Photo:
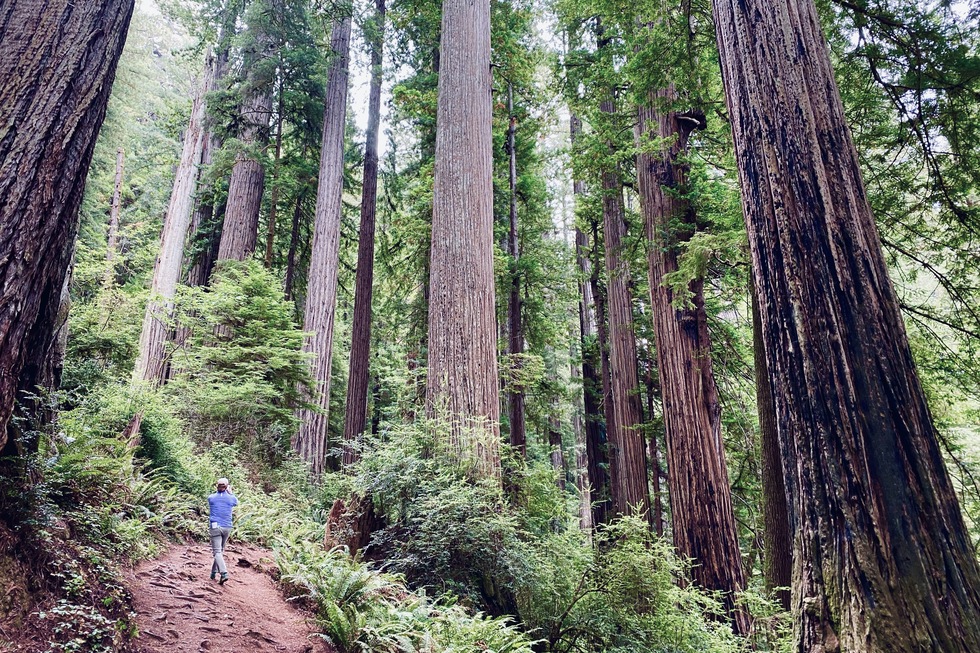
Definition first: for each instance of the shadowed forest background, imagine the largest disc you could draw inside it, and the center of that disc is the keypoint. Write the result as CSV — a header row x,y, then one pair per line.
x,y
564,325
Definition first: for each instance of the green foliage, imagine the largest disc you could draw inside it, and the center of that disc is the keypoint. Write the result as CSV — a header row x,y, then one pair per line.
x,y
241,374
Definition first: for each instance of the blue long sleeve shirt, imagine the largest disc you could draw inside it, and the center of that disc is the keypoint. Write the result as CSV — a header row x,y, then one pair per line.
x,y
221,504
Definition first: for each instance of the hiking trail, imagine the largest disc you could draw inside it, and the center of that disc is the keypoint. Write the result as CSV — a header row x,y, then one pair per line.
x,y
180,610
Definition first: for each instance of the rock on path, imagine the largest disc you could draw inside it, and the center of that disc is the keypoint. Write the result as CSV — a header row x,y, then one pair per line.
x,y
180,610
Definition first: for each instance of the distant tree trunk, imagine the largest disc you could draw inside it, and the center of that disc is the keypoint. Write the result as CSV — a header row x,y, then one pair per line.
x,y
582,483
462,381
592,383
115,209
360,355
321,291
518,435
882,560
57,65
293,246
599,467
700,496
627,452
777,559
151,361
270,236
653,448
247,182
207,219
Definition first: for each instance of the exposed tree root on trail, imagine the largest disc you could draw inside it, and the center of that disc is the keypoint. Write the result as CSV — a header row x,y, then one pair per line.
x,y
180,610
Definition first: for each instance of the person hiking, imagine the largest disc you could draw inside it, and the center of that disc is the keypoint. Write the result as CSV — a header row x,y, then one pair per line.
x,y
221,504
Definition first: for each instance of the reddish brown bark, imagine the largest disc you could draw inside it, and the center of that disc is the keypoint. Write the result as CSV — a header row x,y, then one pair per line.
x,y
627,452
57,65
360,354
777,558
321,290
463,387
700,496
881,558
247,182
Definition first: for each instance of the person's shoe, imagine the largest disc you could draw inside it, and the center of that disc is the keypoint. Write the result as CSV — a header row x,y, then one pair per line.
x,y
214,575
224,579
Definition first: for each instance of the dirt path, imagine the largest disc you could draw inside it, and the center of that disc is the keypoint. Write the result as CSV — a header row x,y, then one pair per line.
x,y
180,610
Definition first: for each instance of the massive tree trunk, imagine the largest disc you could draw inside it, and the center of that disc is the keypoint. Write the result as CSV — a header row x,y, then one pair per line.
x,y
700,496
627,453
247,182
515,330
463,388
360,353
151,362
57,65
599,466
321,291
881,559
777,558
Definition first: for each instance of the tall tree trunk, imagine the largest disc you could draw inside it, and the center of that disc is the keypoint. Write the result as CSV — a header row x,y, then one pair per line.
x,y
881,558
777,560
321,291
207,219
582,483
700,496
57,65
653,448
518,435
592,384
627,452
112,244
599,464
463,381
151,361
360,354
247,182
270,235
293,246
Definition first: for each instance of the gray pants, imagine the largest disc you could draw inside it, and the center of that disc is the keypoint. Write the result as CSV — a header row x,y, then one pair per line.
x,y
219,538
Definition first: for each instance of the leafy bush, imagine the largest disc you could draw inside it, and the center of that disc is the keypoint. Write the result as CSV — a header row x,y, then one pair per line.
x,y
241,374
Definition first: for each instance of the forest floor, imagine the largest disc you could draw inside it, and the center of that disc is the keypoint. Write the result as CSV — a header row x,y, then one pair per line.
x,y
180,610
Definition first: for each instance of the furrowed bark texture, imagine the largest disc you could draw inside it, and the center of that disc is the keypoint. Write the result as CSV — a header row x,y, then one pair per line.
x,y
777,561
57,65
881,559
247,182
462,376
515,331
360,354
700,495
151,363
321,291
627,453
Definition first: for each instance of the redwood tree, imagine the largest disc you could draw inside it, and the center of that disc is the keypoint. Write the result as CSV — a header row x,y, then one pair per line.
x,y
462,384
700,496
627,453
359,374
881,558
57,65
247,182
321,299
151,361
